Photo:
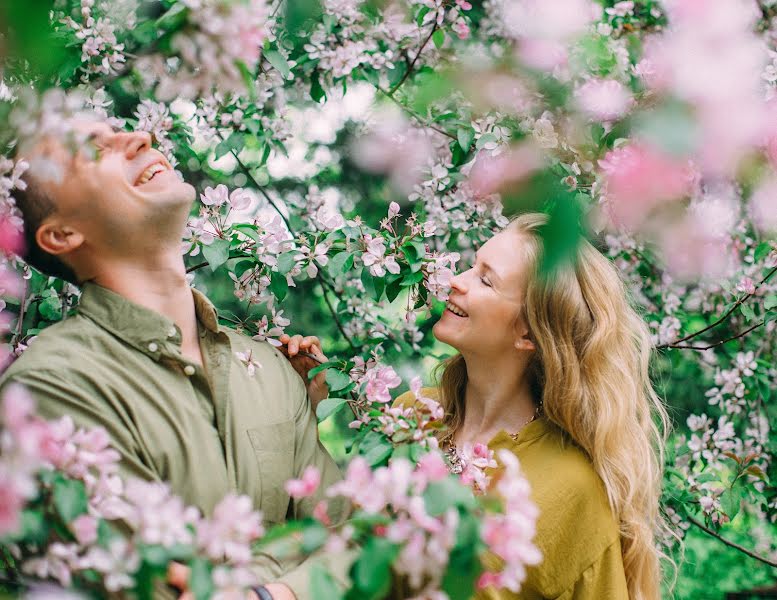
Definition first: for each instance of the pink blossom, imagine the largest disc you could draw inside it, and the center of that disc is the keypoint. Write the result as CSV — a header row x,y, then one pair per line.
x,y
379,381
432,467
763,205
85,529
229,533
639,179
490,174
746,285
305,486
11,504
604,99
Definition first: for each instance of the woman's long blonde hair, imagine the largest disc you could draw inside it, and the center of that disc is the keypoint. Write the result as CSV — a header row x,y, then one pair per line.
x,y
591,372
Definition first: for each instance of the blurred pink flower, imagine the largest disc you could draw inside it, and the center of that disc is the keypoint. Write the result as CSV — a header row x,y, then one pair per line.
x,y
231,530
490,174
85,529
11,504
763,206
604,99
306,485
638,179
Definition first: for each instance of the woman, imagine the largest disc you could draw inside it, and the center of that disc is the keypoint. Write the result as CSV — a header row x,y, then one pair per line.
x,y
556,370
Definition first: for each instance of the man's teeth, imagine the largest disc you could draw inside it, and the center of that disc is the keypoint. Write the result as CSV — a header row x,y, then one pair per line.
x,y
455,310
146,176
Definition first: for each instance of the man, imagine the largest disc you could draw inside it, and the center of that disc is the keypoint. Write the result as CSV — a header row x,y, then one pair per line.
x,y
184,400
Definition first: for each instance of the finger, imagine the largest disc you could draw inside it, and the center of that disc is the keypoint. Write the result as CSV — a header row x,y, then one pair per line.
x,y
178,575
310,341
284,339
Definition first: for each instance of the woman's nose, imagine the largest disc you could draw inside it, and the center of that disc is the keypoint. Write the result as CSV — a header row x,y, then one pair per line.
x,y
458,283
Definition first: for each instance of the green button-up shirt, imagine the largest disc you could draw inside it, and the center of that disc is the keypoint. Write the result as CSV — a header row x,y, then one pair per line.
x,y
208,431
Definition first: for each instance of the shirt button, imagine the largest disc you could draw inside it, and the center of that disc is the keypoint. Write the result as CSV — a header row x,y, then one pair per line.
x,y
189,370
152,347
172,332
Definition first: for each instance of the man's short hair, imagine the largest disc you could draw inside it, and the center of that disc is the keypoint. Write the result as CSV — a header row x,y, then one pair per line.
x,y
36,206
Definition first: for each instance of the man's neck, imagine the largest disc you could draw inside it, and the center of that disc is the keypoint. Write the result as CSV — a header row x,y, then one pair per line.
x,y
157,283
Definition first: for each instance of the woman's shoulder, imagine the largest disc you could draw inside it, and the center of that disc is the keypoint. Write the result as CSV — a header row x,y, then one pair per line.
x,y
576,524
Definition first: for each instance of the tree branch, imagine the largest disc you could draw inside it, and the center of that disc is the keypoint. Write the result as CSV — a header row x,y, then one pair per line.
x,y
731,544
727,314
414,114
719,343
412,64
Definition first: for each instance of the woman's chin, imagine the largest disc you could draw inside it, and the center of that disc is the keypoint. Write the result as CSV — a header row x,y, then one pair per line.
x,y
443,334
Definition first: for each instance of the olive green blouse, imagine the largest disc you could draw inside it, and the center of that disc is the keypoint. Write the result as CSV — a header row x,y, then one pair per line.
x,y
576,530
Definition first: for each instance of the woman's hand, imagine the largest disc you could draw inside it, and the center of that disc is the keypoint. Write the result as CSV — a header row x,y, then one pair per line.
x,y
178,577
304,353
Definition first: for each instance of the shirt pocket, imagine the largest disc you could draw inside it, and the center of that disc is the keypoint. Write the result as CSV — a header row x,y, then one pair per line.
x,y
274,448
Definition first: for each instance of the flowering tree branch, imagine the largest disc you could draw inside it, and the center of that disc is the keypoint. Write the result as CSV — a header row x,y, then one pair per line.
x,y
729,543
412,64
723,318
718,343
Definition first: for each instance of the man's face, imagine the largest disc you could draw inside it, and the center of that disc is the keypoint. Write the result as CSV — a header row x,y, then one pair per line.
x,y
116,189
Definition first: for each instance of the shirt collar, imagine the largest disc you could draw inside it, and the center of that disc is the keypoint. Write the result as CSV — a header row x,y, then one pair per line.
x,y
142,328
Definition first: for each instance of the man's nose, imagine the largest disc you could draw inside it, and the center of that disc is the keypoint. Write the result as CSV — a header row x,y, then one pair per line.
x,y
133,142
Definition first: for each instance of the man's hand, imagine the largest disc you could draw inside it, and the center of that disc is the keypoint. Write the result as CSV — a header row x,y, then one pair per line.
x,y
305,353
178,576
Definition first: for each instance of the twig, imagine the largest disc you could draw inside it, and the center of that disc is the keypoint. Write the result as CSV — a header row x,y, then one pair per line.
x,y
719,343
728,313
326,286
731,544
412,64
414,114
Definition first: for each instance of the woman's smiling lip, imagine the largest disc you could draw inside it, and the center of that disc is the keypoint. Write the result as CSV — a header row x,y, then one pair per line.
x,y
455,310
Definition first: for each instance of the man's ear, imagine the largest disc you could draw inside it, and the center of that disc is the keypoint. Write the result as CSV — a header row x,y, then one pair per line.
x,y
56,238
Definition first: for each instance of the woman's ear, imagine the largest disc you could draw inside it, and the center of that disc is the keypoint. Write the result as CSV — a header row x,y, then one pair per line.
x,y
55,238
524,343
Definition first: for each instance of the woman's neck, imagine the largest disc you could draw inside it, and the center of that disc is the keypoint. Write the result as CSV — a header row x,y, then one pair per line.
x,y
497,396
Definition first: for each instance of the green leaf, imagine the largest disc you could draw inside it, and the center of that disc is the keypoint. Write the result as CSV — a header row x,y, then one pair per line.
x,y
216,253
69,498
50,308
328,407
762,251
323,585
371,573
484,139
173,18
313,537
337,380
200,579
340,263
465,135
279,286
747,311
419,20
445,494
464,566
438,37
234,144
770,301
276,60
286,262
34,527
379,453
317,92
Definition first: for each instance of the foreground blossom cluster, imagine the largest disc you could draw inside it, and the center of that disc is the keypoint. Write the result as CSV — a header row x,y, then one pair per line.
x,y
111,521
55,466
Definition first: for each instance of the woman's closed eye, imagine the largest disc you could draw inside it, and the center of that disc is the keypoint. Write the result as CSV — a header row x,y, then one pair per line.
x,y
485,281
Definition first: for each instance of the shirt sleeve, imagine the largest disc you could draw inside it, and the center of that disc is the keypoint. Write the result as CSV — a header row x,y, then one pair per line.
x,y
605,579
59,394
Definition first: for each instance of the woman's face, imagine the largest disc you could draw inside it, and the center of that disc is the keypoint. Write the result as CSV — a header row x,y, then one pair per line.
x,y
483,312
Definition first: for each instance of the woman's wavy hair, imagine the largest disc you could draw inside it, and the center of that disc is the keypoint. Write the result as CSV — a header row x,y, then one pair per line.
x,y
591,372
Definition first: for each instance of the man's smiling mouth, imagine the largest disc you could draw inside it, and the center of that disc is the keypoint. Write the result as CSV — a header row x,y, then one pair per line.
x,y
149,173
